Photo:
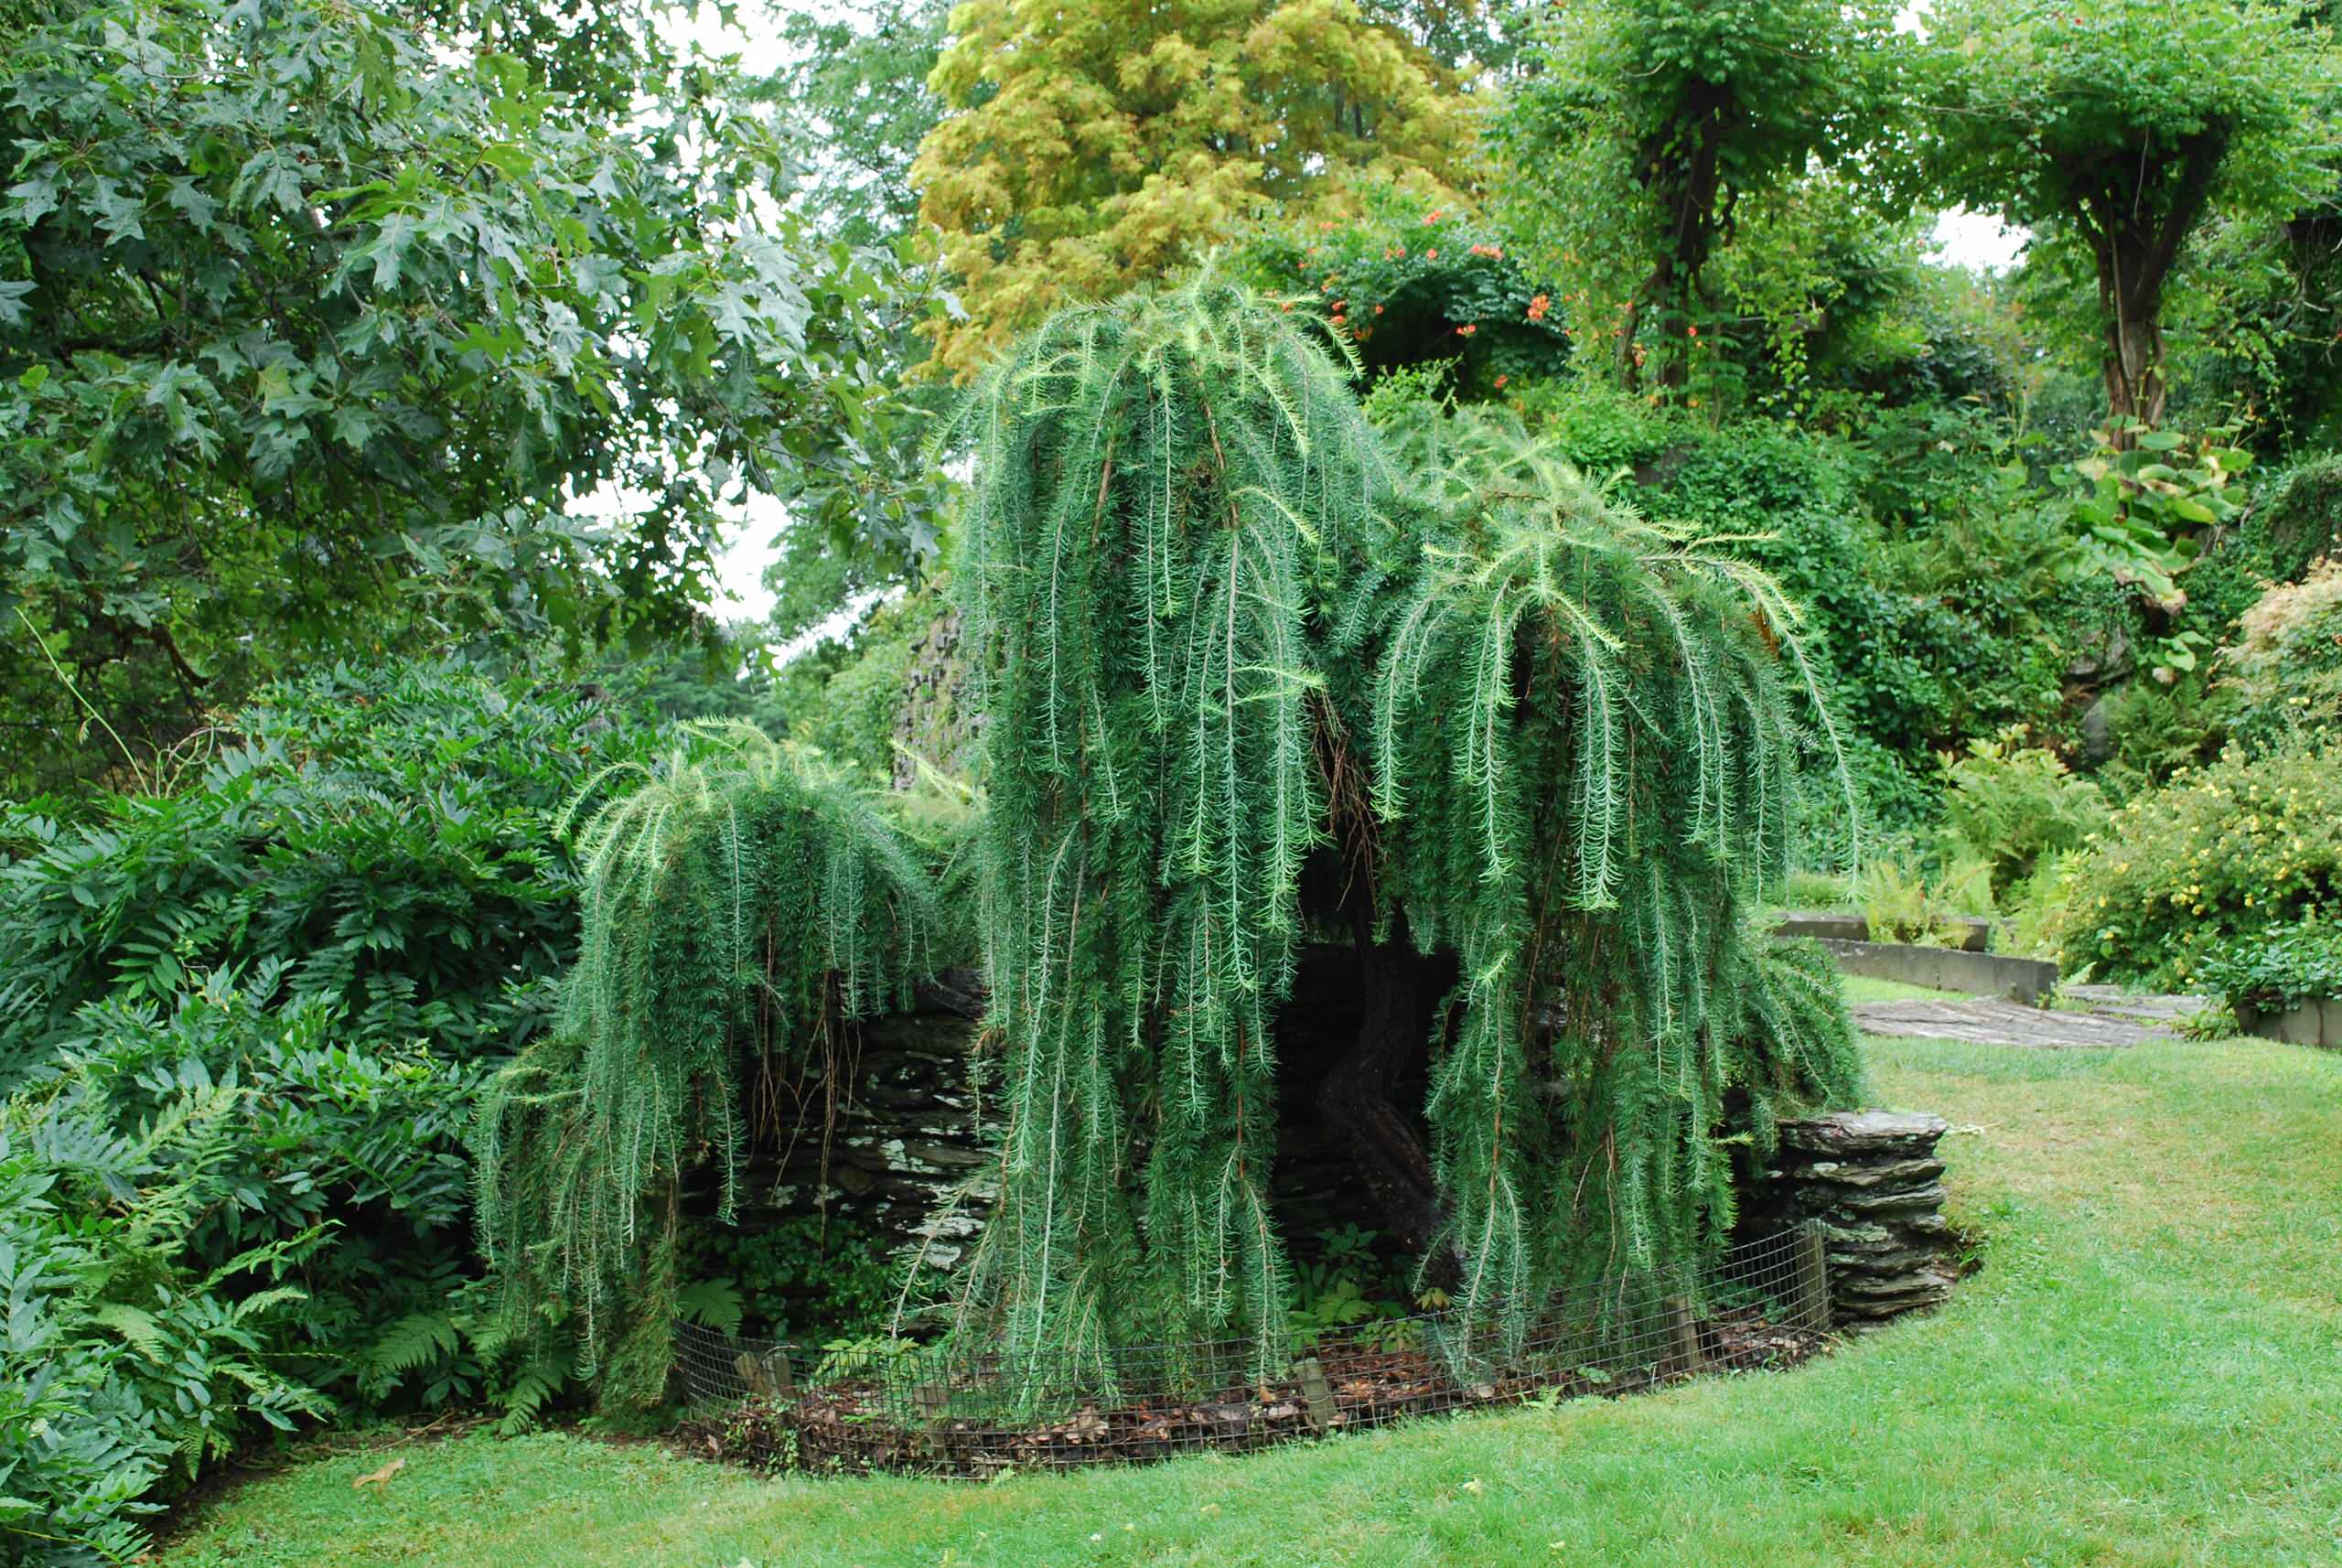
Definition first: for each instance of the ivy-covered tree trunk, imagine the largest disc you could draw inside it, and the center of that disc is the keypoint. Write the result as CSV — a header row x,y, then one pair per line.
x,y
1683,166
2133,365
2135,245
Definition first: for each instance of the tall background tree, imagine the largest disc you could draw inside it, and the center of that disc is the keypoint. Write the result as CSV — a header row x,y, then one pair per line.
x,y
322,325
857,100
1645,127
1089,147
2258,324
2120,127
853,105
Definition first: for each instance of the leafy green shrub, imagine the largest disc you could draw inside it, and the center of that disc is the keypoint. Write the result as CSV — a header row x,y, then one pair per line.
x,y
1916,668
243,1027
2214,861
797,1276
2285,669
1806,888
743,904
1601,427
2152,500
2009,804
121,1366
1902,901
2030,908
387,831
1985,508
2281,965
358,1147
213,1217
1412,281
1919,465
2153,730
2300,519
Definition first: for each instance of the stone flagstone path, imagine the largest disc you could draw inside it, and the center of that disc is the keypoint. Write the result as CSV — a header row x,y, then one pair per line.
x,y
2113,1018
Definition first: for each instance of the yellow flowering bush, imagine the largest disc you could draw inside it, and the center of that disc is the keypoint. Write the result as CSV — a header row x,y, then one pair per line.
x,y
2206,867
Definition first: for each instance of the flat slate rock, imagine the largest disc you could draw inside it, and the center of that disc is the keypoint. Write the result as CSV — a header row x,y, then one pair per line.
x,y
1993,1022
2135,1004
1841,1133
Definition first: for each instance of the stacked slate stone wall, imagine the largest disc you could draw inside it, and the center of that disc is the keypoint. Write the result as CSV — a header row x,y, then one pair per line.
x,y
910,1130
902,1136
891,1158
1871,1184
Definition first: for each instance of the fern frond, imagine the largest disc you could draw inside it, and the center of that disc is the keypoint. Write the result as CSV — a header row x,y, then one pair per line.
x,y
412,1341
711,1303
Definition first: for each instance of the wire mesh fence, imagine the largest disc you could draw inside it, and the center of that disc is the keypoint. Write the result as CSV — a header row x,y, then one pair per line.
x,y
952,1410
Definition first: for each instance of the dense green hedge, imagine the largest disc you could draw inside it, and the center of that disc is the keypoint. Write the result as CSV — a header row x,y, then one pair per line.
x,y
243,1025
1922,653
386,832
2300,519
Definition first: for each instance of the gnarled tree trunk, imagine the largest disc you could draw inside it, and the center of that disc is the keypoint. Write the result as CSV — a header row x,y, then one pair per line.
x,y
2133,360
2135,242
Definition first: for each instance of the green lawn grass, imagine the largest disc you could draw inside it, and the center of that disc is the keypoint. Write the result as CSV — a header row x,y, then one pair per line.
x,y
2148,1371
1863,988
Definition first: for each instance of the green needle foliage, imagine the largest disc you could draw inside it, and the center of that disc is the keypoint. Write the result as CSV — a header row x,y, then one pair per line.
x,y
1201,590
741,907
1168,488
1586,746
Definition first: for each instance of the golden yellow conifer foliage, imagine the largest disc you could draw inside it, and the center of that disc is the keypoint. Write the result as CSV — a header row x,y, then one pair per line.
x,y
1094,144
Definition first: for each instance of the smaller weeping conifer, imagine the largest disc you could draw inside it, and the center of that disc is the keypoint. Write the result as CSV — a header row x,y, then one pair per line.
x,y
1588,736
743,905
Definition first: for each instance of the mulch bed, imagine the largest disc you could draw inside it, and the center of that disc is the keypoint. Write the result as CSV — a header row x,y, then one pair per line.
x,y
856,1427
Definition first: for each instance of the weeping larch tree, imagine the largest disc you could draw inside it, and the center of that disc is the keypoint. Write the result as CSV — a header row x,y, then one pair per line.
x,y
1255,677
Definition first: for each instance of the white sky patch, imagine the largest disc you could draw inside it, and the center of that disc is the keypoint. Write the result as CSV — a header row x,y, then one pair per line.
x,y
754,36
1977,240
751,544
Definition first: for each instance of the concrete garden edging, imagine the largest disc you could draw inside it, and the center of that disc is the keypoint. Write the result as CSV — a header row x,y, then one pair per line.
x,y
2306,1023
1947,969
1838,926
